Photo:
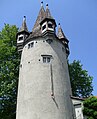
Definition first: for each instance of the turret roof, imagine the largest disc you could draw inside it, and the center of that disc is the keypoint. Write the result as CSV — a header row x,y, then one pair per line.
x,y
60,33
24,26
47,13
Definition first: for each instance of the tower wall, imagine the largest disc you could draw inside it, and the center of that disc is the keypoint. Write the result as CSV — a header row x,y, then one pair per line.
x,y
44,88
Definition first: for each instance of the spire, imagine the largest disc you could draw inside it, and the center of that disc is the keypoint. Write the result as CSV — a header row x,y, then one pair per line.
x,y
24,26
40,17
60,32
47,13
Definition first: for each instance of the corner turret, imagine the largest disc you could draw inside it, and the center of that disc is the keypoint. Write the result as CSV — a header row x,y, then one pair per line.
x,y
22,35
63,39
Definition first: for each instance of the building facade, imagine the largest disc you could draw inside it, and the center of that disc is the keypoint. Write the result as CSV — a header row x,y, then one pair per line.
x,y
44,90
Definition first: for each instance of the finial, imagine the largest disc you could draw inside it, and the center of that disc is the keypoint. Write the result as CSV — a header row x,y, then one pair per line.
x,y
41,3
24,19
59,25
47,6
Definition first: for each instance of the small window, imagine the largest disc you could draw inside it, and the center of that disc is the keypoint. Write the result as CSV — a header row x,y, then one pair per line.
x,y
20,38
43,27
46,58
63,49
50,25
30,45
49,41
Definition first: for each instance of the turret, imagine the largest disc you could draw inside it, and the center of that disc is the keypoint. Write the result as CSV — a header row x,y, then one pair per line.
x,y
63,39
22,35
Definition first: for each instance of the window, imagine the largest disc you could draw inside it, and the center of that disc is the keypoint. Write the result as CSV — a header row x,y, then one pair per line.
x,y
43,27
46,58
50,25
30,45
49,41
20,38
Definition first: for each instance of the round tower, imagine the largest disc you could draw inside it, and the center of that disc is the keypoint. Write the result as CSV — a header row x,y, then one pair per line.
x,y
44,90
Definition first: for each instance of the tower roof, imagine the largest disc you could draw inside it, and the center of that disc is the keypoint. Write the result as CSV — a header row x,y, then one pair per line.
x,y
43,14
40,17
60,33
24,26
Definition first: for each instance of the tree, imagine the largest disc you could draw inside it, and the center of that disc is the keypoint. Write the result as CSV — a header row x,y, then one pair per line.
x,y
81,82
90,108
9,62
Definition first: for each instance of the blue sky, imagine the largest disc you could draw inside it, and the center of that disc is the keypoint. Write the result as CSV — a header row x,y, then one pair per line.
x,y
78,19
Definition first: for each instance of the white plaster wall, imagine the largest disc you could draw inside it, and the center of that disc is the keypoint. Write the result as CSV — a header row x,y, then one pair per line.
x,y
34,90
78,109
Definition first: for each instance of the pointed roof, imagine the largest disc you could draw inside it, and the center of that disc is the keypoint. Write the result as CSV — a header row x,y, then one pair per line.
x,y
43,14
60,33
24,26
40,17
47,13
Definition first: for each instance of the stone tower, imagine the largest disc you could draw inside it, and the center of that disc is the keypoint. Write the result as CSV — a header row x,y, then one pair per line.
x,y
44,90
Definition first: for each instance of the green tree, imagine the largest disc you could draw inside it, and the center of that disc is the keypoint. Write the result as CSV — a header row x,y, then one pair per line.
x,y
90,108
81,82
9,62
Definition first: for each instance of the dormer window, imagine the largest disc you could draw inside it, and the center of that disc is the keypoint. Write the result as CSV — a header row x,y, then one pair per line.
x,y
50,25
44,27
47,26
20,38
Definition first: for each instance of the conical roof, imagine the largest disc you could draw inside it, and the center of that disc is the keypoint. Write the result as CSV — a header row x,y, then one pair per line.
x,y
60,33
47,13
24,26
40,17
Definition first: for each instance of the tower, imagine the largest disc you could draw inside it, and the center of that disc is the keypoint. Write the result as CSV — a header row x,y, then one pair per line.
x,y
44,86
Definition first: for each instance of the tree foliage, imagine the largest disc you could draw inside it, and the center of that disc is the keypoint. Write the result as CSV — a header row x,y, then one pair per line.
x,y
9,62
90,108
81,82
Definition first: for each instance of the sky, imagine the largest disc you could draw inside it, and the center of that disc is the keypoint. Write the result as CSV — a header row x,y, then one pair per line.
x,y
78,19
